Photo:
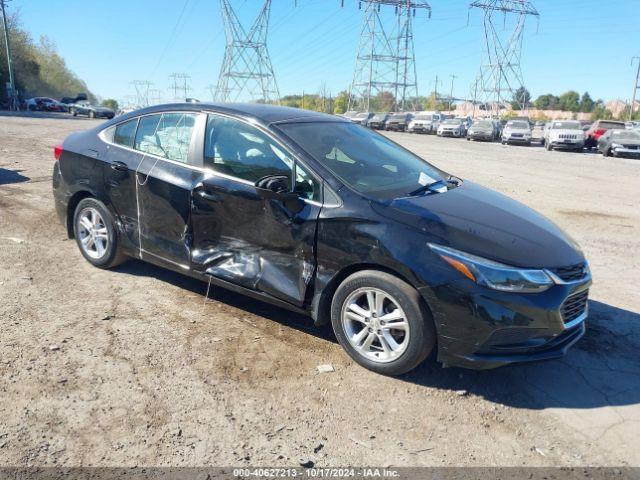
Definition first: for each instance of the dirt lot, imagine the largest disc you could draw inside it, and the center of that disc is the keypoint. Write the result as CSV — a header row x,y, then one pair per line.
x,y
131,367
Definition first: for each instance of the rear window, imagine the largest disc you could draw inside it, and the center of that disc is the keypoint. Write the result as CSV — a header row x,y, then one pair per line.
x,y
125,133
611,125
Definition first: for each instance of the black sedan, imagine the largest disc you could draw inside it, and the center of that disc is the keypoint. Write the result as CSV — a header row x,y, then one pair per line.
x,y
91,111
321,216
620,143
398,122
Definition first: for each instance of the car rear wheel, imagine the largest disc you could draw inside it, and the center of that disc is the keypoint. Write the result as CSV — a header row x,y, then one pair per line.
x,y
96,235
381,323
92,114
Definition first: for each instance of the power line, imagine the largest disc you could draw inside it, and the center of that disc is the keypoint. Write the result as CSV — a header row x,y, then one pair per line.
x,y
500,74
385,59
180,85
246,67
636,86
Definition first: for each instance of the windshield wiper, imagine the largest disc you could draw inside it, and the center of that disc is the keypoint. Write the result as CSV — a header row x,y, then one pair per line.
x,y
435,187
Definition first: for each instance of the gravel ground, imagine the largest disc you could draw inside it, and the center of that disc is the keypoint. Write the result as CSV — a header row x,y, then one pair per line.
x,y
132,367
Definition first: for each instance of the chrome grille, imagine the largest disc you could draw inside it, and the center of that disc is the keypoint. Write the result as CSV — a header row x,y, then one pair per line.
x,y
574,306
571,136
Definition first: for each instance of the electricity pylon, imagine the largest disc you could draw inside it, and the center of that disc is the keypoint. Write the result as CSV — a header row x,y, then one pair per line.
x,y
142,92
246,71
180,86
500,74
385,61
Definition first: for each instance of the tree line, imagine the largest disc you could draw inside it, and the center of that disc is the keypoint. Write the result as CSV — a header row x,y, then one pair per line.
x,y
38,69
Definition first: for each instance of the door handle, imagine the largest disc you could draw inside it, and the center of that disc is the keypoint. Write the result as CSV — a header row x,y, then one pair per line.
x,y
119,166
207,196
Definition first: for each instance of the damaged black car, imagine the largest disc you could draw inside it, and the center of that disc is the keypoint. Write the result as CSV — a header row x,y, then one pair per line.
x,y
324,217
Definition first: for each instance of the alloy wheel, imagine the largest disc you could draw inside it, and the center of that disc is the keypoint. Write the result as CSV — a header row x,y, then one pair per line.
x,y
375,325
93,233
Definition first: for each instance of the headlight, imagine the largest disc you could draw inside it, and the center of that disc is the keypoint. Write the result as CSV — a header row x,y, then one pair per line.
x,y
616,145
494,275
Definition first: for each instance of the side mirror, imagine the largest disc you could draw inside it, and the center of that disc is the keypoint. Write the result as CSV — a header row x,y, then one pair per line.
x,y
277,187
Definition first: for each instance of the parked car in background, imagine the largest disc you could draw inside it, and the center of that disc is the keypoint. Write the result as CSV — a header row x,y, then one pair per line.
x,y
398,122
632,125
349,114
91,111
466,122
44,104
517,131
313,213
620,143
564,134
362,118
378,120
425,122
483,129
597,129
451,127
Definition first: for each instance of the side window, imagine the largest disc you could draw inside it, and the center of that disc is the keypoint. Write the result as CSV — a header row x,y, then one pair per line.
x,y
166,135
240,150
125,133
307,186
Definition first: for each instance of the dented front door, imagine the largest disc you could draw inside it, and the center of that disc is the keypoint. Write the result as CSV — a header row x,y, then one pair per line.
x,y
253,242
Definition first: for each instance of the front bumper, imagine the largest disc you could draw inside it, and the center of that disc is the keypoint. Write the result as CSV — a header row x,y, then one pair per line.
x,y
450,133
376,125
523,140
480,136
398,127
420,128
570,144
626,152
480,328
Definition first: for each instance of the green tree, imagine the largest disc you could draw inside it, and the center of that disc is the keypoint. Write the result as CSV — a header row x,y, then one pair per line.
x,y
110,103
601,112
547,102
432,103
341,102
570,101
38,67
521,99
586,103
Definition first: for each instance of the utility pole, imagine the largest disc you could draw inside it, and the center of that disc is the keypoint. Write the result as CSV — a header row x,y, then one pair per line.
x,y
246,70
636,86
385,59
13,101
453,77
500,74
435,91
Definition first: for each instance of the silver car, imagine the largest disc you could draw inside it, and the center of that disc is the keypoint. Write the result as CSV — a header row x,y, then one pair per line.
x,y
564,134
516,131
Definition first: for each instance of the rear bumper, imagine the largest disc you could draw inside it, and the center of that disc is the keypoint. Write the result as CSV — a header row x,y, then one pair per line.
x,y
479,328
396,126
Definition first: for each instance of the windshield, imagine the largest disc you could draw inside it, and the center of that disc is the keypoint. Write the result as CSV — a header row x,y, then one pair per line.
x,y
379,116
452,121
362,115
423,117
518,125
566,126
625,135
483,124
364,160
398,117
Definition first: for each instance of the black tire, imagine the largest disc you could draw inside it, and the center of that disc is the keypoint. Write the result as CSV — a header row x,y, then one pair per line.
x,y
73,112
547,145
422,338
113,255
92,114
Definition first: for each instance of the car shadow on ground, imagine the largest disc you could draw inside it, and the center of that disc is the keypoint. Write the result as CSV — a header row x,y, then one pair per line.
x,y
602,369
27,114
11,176
285,317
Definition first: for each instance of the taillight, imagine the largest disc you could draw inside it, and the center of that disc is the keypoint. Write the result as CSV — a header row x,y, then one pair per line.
x,y
57,151
600,131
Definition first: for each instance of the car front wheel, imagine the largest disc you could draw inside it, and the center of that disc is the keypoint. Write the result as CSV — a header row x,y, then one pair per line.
x,y
381,323
95,234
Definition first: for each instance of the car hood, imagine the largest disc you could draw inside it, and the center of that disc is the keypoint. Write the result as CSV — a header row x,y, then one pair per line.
x,y
481,129
626,141
443,125
486,223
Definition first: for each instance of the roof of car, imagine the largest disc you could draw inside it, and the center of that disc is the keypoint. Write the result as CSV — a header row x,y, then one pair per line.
x,y
267,114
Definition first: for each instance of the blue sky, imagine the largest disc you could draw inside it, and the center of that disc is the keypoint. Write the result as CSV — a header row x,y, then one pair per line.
x,y
579,44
